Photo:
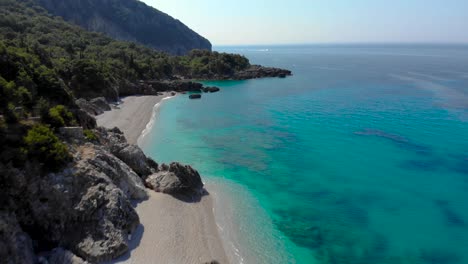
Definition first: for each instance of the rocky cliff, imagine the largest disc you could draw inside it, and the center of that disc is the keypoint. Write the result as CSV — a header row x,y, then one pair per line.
x,y
129,20
83,212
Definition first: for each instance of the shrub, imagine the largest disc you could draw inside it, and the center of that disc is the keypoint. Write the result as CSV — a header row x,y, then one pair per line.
x,y
41,144
90,135
23,96
59,116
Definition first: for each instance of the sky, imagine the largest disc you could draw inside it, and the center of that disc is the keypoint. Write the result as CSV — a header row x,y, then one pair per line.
x,y
257,22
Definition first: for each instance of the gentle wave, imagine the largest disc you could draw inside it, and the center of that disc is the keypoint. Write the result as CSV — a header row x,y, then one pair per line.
x,y
151,122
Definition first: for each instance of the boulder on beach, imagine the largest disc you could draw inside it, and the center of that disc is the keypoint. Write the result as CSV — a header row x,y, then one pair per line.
x,y
135,158
176,179
195,96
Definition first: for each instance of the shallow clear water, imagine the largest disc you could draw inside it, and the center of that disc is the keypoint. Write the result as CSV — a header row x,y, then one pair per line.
x,y
360,157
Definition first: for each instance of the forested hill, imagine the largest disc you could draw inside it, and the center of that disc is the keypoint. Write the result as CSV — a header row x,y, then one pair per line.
x,y
48,57
129,20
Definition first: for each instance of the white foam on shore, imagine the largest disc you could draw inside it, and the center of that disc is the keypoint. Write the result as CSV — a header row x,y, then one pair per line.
x,y
152,121
245,229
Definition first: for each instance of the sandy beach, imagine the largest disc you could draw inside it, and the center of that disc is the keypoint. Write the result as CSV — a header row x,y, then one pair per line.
x,y
171,230
131,116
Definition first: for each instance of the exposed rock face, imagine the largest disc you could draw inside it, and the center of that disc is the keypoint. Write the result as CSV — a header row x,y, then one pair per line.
x,y
120,173
135,158
93,107
84,211
130,20
132,155
79,208
176,179
72,132
15,245
101,103
84,119
107,219
85,208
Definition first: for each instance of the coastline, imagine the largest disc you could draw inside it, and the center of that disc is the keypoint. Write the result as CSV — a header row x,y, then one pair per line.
x,y
132,116
171,231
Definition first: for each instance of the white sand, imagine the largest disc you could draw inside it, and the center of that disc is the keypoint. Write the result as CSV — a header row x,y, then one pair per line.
x,y
171,231
131,116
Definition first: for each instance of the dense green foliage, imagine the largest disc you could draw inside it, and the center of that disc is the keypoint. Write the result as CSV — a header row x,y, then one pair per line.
x,y
53,59
59,116
90,135
43,145
206,64
46,63
129,20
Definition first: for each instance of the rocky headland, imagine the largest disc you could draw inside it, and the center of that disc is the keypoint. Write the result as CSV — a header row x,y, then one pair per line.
x,y
83,211
257,71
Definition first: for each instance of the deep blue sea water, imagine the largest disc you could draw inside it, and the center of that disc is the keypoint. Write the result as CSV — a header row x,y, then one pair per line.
x,y
360,157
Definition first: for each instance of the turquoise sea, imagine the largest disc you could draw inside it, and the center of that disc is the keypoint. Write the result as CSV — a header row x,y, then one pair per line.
x,y
360,157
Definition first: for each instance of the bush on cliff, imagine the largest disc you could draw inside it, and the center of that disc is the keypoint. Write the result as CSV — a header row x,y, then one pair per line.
x,y
90,135
59,116
41,144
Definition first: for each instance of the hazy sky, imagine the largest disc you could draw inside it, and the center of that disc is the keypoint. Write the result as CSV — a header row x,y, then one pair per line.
x,y
318,21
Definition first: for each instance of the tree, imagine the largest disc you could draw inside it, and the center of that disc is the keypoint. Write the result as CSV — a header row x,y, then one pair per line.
x,y
41,144
59,116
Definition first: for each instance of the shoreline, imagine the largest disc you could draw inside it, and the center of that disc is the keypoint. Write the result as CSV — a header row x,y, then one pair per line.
x,y
171,231
132,115
150,123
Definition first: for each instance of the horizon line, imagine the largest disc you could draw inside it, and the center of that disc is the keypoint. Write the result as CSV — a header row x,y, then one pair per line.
x,y
345,43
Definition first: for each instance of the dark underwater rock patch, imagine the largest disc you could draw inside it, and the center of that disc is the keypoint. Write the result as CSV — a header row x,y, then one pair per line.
x,y
452,218
195,96
461,165
438,256
400,141
424,165
353,212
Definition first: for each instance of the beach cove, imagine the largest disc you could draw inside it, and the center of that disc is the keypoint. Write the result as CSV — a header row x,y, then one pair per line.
x,y
269,207
168,226
210,229
361,147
